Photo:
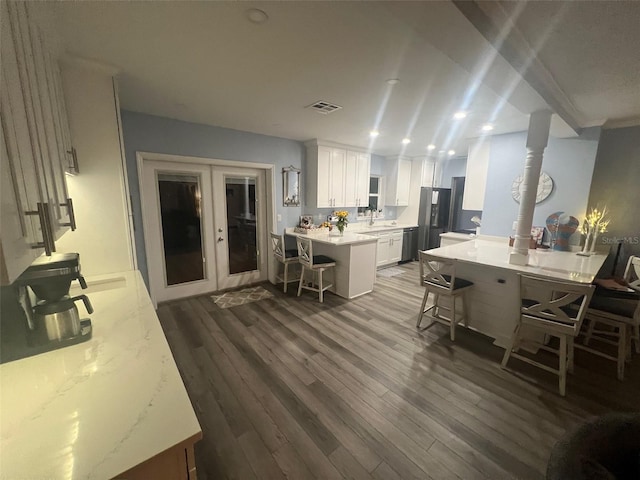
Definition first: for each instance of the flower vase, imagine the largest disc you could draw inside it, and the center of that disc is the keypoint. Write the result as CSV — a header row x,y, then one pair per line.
x,y
585,249
594,241
340,229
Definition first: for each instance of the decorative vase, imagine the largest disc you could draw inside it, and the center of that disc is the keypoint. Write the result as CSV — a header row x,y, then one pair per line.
x,y
594,241
587,241
340,228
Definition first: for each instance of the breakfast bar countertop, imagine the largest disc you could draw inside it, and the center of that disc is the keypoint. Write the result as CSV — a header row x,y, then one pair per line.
x,y
99,408
552,264
334,238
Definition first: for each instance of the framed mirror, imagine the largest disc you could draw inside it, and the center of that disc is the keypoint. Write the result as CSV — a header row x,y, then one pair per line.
x,y
291,186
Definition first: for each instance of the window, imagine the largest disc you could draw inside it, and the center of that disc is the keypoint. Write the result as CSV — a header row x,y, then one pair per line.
x,y
376,200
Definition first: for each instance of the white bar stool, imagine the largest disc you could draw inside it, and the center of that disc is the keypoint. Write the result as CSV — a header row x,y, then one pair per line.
x,y
438,276
314,263
557,309
620,312
286,257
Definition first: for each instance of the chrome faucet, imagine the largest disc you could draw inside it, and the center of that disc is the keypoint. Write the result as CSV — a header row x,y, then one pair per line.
x,y
371,217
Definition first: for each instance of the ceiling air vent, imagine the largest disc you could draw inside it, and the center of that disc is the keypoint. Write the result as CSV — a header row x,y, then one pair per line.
x,y
323,107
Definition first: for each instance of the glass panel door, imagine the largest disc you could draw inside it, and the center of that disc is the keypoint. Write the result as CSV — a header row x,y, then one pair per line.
x,y
241,224
177,209
180,214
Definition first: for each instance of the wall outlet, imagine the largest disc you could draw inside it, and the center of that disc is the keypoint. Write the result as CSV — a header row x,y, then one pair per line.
x,y
514,226
279,217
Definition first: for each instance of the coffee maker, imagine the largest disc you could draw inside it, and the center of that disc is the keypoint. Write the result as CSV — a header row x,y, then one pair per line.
x,y
52,318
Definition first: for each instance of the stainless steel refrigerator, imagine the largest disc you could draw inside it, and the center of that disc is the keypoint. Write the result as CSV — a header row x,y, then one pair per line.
x,y
433,216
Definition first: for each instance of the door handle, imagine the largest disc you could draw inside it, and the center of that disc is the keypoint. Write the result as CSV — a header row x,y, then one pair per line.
x,y
220,239
72,215
48,242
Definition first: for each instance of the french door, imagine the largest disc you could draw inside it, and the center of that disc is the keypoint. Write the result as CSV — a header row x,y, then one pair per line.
x,y
240,213
204,227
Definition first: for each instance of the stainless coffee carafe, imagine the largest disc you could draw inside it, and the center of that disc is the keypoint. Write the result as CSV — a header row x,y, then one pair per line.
x,y
43,292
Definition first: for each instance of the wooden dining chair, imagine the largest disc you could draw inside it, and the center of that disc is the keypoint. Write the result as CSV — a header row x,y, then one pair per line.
x,y
556,309
614,319
284,256
316,264
438,277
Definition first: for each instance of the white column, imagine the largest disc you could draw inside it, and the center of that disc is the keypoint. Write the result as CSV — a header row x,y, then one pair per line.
x,y
537,139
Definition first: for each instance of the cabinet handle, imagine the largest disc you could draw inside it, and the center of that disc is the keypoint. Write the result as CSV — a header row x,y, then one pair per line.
x,y
73,168
72,215
45,225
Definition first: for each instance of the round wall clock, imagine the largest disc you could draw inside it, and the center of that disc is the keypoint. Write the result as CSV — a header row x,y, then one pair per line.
x,y
545,186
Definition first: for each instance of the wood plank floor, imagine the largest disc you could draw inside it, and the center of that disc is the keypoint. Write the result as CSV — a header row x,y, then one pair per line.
x,y
291,388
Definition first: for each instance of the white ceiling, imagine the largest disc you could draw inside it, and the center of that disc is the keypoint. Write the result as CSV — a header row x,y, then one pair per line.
x,y
205,62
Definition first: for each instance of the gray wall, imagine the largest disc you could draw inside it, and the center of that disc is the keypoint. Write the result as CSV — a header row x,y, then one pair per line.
x,y
569,162
150,133
616,184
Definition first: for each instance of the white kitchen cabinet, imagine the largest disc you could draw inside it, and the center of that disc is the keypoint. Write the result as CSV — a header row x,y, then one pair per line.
x,y
428,172
358,167
382,251
476,176
34,197
389,249
395,246
398,181
325,176
336,177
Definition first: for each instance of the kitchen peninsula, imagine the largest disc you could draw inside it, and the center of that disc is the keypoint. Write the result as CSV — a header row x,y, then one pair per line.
x,y
355,256
112,407
494,300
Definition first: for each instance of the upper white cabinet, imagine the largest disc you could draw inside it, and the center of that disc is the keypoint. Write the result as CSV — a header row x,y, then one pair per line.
x,y
357,171
336,176
398,181
476,176
428,172
36,209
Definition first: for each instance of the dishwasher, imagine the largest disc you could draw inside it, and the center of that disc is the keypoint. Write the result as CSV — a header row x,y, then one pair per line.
x,y
409,244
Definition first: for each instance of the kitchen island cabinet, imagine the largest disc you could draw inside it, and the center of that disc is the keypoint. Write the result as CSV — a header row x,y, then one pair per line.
x,y
100,408
355,256
494,299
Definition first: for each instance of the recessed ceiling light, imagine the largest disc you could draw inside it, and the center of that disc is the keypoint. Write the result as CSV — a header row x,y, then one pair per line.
x,y
406,140
393,81
374,133
431,147
487,127
459,115
451,152
256,15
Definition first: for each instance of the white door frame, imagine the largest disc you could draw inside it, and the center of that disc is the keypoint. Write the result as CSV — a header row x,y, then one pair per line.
x,y
269,170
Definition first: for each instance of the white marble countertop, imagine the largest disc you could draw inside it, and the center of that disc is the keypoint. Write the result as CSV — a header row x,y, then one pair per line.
x,y
96,409
458,235
334,238
364,227
544,263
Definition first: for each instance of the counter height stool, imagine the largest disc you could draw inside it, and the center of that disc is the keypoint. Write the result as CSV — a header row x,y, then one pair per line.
x,y
286,257
556,309
317,264
438,276
620,312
